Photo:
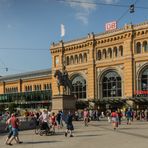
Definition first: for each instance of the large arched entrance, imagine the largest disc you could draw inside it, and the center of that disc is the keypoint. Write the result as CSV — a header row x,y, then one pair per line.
x,y
141,94
111,90
143,79
111,85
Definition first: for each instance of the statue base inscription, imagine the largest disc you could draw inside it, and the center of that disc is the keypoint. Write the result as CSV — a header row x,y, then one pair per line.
x,y
64,103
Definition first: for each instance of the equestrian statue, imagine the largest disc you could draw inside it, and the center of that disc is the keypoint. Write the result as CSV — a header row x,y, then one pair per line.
x,y
63,80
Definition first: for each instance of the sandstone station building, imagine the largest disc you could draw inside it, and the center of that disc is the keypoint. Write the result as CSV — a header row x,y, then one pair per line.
x,y
106,70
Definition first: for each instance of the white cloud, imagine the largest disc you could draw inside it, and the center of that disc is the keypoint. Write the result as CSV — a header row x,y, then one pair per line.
x,y
83,4
85,7
82,16
109,1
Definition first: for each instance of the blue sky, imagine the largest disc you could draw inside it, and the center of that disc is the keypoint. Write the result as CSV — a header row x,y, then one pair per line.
x,y
28,27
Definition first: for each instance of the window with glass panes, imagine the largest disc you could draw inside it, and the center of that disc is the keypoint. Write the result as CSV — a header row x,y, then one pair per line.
x,y
111,85
144,80
79,87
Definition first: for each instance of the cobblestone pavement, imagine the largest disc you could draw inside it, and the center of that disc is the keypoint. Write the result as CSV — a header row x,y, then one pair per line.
x,y
97,134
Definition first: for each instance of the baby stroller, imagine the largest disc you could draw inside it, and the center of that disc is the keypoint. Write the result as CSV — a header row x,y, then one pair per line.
x,y
44,128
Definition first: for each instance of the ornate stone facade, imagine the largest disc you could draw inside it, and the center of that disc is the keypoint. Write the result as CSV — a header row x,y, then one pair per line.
x,y
120,54
109,66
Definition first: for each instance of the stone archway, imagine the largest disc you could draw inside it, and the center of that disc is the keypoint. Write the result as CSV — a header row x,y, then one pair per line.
x,y
113,85
143,79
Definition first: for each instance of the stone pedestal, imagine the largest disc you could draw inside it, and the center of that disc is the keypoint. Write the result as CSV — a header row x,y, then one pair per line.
x,y
64,103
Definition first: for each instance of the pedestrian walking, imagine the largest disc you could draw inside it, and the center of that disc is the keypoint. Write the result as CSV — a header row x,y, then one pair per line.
x,y
69,124
86,116
129,116
108,114
53,121
59,119
14,121
119,116
115,119
9,128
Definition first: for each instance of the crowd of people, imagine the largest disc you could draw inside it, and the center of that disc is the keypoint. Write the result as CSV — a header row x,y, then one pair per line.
x,y
43,119
51,121
116,116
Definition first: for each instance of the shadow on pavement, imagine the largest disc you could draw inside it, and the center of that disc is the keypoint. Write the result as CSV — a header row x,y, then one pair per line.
x,y
89,135
40,142
127,132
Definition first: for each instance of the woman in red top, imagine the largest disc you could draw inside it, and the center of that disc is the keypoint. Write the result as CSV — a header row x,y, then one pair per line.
x,y
14,121
53,121
114,116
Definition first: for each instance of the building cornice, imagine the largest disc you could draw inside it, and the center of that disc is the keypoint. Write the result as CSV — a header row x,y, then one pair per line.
x,y
87,41
26,75
102,38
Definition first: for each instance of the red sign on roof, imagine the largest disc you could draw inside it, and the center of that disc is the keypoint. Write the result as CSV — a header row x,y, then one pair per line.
x,y
111,26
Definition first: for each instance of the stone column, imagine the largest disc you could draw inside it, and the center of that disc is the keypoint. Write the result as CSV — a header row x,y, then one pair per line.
x,y
91,78
128,69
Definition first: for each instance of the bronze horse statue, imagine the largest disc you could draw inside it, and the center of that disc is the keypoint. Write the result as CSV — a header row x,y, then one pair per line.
x,y
63,80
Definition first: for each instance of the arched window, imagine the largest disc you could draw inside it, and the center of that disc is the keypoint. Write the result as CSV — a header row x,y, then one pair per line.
x,y
25,88
111,85
145,46
138,47
40,87
35,87
47,86
80,58
79,87
121,50
67,60
85,57
115,52
104,53
50,86
76,59
44,86
98,55
109,52
71,60
30,88
144,79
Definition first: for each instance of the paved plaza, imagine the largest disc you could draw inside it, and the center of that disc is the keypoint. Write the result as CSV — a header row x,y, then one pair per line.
x,y
97,134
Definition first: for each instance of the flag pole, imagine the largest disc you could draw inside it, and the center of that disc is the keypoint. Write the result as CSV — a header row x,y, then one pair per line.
x,y
62,35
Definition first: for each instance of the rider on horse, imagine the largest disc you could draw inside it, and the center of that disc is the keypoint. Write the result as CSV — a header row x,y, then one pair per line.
x,y
62,79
